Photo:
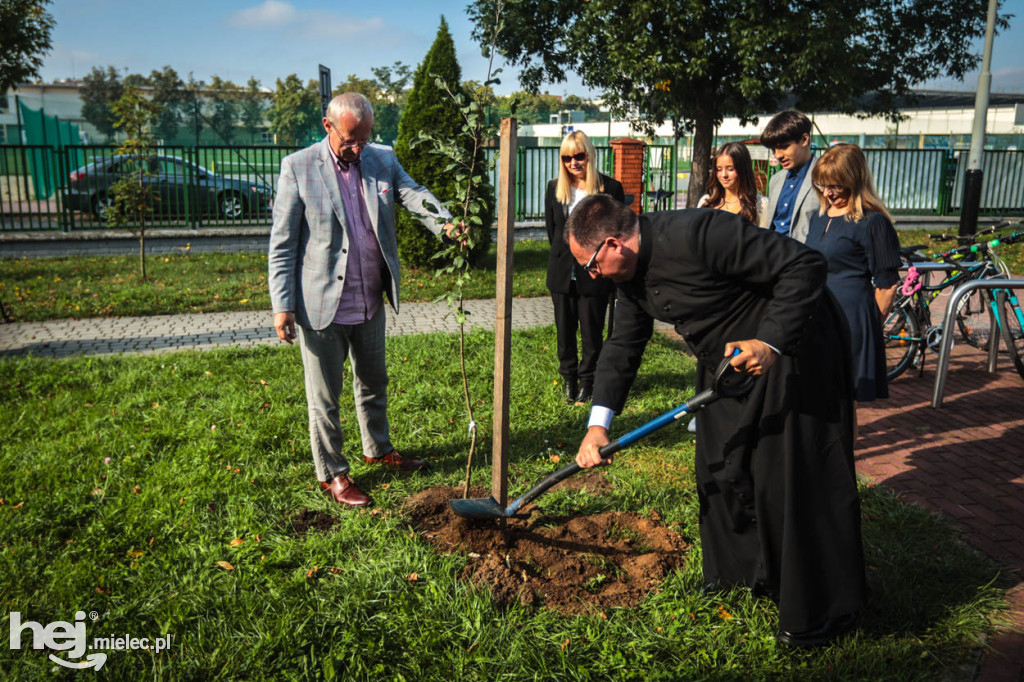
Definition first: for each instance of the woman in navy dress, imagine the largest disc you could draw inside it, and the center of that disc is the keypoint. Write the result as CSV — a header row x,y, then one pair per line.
x,y
855,233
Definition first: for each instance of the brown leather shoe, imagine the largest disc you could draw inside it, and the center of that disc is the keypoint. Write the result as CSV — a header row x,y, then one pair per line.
x,y
344,491
393,460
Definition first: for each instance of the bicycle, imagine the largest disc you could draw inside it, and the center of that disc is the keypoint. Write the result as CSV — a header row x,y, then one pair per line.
x,y
908,330
1002,303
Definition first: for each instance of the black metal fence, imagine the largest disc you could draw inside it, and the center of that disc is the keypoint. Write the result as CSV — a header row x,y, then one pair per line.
x,y
42,188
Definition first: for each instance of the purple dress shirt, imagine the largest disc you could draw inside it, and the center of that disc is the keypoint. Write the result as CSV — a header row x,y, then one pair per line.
x,y
361,296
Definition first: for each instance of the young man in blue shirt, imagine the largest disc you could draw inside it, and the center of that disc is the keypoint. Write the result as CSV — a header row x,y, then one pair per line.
x,y
792,199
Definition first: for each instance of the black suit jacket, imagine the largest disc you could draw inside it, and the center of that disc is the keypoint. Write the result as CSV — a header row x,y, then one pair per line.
x,y
560,261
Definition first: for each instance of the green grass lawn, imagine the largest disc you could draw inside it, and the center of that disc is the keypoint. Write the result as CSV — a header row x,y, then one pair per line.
x,y
128,479
35,289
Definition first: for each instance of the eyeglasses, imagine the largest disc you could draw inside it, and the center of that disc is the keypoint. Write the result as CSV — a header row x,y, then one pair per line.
x,y
352,144
566,158
592,264
834,189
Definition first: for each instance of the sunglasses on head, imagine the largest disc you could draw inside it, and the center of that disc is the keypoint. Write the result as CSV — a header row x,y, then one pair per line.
x,y
566,158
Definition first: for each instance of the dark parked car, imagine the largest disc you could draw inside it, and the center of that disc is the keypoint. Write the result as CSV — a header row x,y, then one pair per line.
x,y
178,187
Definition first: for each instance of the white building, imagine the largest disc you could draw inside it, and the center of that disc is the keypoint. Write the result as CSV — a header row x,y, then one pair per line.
x,y
936,120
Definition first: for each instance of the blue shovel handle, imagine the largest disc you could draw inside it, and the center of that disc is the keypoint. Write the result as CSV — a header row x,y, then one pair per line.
x,y
702,399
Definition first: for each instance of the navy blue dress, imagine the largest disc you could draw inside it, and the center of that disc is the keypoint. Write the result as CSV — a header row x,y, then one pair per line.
x,y
862,256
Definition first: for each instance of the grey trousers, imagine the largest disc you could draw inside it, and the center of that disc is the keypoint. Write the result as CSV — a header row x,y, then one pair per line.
x,y
323,359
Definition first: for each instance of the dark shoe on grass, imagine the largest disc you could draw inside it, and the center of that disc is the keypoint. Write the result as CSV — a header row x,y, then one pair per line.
x,y
570,390
586,392
395,461
344,491
823,634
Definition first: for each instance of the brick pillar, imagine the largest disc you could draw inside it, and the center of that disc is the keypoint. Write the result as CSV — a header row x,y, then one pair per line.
x,y
629,169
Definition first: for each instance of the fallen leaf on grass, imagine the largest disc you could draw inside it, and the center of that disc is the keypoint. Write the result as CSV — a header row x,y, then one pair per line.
x,y
723,614
208,373
236,542
335,570
556,459
412,577
263,382
19,505
565,643
136,553
258,541
312,572
225,565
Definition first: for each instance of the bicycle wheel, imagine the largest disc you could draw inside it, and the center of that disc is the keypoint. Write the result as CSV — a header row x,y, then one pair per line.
x,y
902,336
1010,324
974,319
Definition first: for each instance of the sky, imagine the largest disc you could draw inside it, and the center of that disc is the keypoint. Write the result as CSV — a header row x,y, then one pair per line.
x,y
269,39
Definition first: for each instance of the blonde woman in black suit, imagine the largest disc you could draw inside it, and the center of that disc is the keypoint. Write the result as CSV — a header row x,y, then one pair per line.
x,y
580,301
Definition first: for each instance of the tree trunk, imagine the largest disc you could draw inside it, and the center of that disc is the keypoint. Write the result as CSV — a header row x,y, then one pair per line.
x,y
703,131
142,251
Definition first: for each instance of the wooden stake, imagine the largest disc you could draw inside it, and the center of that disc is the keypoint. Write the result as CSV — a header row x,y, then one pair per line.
x,y
503,309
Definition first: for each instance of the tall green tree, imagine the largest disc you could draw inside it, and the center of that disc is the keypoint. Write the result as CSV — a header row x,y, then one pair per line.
x,y
295,111
25,27
222,107
168,91
430,108
253,108
696,61
391,83
100,89
192,108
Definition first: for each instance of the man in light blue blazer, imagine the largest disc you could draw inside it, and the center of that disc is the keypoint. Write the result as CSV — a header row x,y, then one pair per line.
x,y
333,256
792,201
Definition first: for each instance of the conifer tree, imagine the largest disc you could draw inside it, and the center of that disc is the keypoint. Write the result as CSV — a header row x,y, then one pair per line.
x,y
431,109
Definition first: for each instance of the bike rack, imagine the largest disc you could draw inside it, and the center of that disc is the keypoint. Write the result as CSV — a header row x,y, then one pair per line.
x,y
947,338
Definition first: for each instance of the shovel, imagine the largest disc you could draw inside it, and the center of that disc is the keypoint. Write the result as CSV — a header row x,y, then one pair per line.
x,y
729,383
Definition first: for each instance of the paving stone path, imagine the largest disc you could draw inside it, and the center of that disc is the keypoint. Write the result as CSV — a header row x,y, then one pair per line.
x,y
170,333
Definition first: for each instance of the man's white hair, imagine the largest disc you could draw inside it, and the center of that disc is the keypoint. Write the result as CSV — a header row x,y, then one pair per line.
x,y
349,102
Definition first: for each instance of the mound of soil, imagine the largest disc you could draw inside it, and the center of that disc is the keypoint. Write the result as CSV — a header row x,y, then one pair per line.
x,y
571,564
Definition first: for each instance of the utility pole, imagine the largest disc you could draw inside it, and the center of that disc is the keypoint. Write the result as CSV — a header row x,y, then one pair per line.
x,y
972,178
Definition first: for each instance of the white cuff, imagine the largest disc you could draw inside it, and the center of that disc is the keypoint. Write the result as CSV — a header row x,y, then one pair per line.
x,y
601,416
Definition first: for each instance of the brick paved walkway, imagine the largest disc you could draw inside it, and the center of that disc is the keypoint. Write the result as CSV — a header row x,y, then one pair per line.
x,y
964,460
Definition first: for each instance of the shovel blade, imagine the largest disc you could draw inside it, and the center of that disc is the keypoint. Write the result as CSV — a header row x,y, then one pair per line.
x,y
478,508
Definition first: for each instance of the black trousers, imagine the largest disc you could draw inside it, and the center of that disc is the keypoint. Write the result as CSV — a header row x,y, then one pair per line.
x,y
585,313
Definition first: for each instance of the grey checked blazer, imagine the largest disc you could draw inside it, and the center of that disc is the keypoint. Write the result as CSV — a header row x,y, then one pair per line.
x,y
309,240
806,202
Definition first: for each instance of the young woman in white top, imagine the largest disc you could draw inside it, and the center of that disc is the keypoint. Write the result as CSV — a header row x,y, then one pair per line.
x,y
732,187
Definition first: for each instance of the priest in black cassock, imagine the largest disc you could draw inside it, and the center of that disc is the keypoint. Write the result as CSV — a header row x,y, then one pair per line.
x,y
779,510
